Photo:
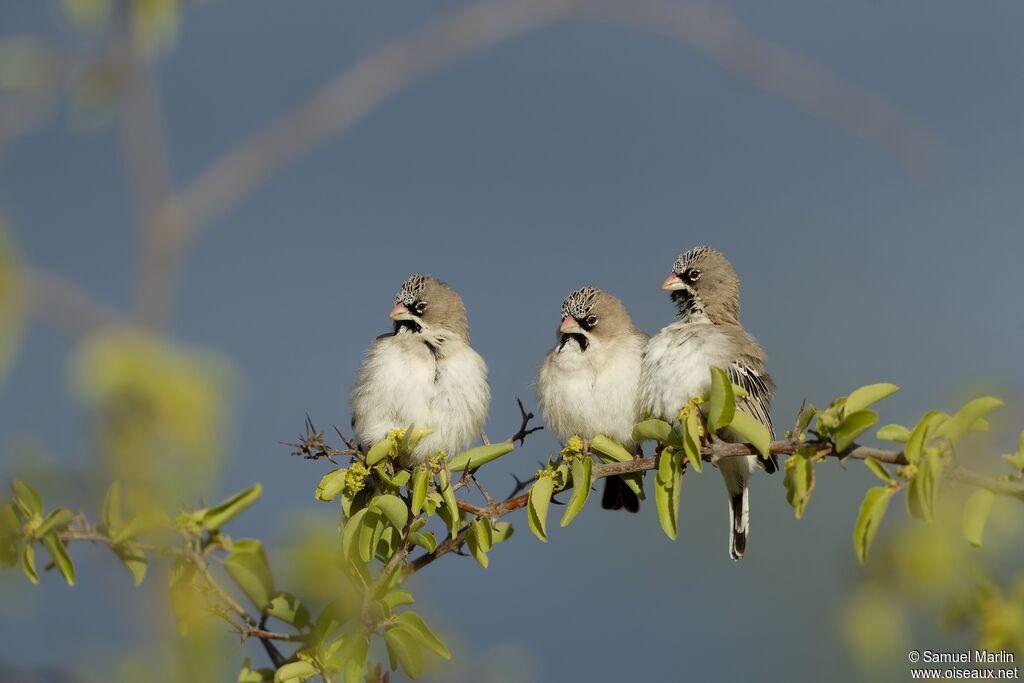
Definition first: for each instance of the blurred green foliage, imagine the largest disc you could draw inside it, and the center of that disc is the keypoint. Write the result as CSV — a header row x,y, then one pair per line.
x,y
160,412
11,300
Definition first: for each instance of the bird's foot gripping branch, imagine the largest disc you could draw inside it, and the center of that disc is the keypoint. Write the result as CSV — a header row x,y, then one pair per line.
x,y
391,509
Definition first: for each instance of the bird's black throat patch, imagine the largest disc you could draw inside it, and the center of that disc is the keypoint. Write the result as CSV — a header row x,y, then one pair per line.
x,y
687,302
410,325
580,339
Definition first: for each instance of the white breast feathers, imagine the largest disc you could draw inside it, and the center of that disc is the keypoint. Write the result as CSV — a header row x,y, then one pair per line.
x,y
404,382
677,365
594,391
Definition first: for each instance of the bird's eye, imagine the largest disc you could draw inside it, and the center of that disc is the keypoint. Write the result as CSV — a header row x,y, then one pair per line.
x,y
591,320
692,275
420,307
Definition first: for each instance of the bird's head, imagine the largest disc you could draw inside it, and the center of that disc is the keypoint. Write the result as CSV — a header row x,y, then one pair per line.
x,y
703,282
590,314
425,304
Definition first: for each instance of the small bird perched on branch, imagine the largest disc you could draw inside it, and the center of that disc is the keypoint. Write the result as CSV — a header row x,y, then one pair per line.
x,y
424,374
588,384
676,368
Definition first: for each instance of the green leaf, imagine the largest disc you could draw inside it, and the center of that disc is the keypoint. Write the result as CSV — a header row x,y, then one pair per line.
x,y
691,441
753,432
976,511
10,534
331,484
289,609
369,533
432,502
921,434
872,510
635,482
28,562
27,498
402,645
13,296
922,490
59,554
250,675
485,534
501,532
481,455
852,426
450,503
350,533
134,560
538,502
145,522
804,420
722,403
419,489
423,540
476,548
1016,460
799,482
868,395
221,514
393,509
610,449
354,659
378,452
111,516
413,436
581,481
738,391
57,520
878,469
667,486
655,430
415,624
294,671
894,432
960,423
247,565
397,598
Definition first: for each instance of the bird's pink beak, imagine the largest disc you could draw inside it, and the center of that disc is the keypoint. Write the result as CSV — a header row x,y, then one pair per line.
x,y
570,325
672,282
400,312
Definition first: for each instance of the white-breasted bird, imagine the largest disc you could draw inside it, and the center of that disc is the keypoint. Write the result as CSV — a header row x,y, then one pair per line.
x,y
424,374
588,384
707,331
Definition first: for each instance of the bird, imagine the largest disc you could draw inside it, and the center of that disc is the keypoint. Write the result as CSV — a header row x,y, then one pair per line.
x,y
707,332
424,374
588,383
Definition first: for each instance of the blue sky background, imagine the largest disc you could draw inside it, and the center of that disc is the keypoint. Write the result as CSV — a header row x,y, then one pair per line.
x,y
582,153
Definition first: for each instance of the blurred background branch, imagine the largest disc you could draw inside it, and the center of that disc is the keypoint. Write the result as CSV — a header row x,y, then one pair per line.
x,y
388,69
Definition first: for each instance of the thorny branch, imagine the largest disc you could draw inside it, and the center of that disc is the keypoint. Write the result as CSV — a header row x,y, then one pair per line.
x,y
312,446
712,453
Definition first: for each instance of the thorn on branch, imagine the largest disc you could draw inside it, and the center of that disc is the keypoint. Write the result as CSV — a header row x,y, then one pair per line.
x,y
275,655
312,445
520,486
524,428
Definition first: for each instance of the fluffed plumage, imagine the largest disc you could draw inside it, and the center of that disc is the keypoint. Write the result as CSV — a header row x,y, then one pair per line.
x,y
588,383
425,374
707,331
